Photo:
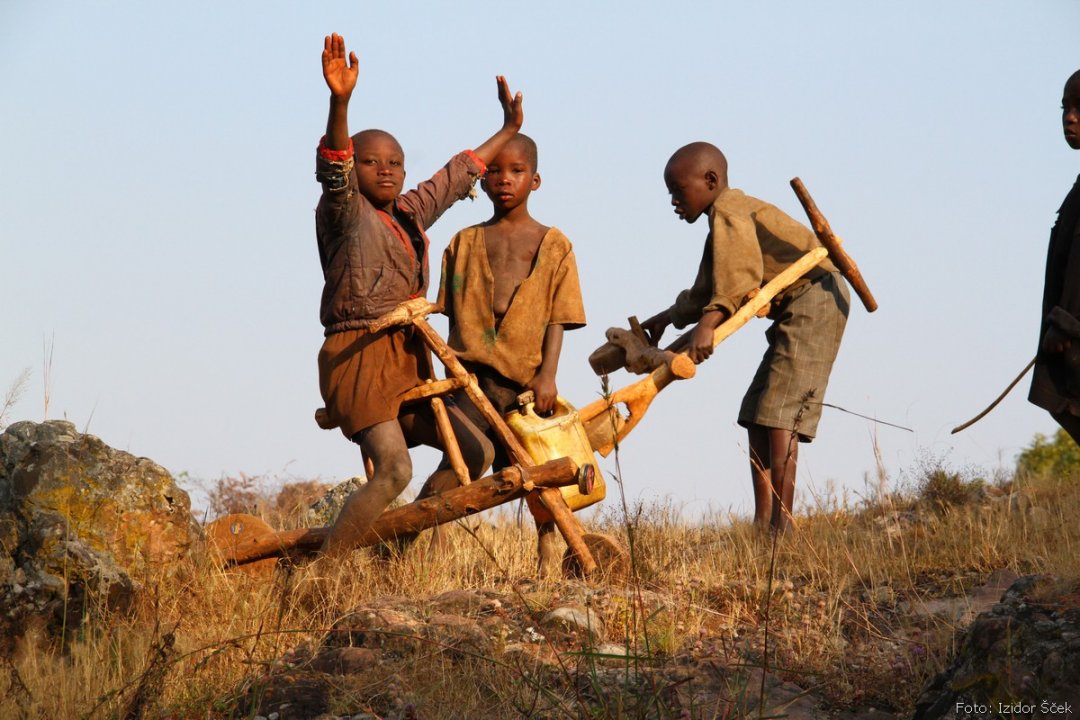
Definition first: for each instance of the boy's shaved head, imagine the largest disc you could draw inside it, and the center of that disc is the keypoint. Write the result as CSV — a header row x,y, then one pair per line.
x,y
700,157
365,136
527,145
695,176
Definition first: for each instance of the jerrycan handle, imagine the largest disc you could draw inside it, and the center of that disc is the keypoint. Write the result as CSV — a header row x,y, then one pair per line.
x,y
527,400
524,400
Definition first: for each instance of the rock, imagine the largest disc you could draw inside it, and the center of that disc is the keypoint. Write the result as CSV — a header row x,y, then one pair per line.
x,y
457,636
324,511
1017,659
468,602
344,661
81,524
294,695
575,619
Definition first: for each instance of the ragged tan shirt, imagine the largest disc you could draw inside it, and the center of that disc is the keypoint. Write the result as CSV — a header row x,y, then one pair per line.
x,y
750,242
512,345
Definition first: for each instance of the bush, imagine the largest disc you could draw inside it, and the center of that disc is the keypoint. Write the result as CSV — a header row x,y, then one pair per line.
x,y
1059,457
942,488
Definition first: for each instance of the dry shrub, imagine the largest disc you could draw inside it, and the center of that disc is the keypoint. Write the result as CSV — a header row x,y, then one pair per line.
x,y
282,505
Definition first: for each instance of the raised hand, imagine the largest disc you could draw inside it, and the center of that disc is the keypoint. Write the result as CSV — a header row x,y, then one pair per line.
x,y
340,75
513,115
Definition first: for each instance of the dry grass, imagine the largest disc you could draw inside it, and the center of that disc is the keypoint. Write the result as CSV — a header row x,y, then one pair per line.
x,y
835,600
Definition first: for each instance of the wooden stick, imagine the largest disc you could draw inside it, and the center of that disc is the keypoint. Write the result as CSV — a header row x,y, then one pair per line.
x,y
449,440
432,388
840,258
404,314
516,450
570,527
997,400
509,484
639,396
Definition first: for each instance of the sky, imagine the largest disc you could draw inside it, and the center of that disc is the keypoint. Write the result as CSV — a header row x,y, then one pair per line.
x,y
157,193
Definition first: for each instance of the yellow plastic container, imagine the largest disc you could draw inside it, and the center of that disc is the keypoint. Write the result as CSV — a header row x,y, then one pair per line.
x,y
559,435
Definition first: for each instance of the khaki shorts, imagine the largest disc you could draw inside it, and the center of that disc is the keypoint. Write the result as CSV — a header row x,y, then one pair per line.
x,y
789,386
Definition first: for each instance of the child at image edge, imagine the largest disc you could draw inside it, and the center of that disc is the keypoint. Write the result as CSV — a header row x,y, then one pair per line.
x,y
1055,386
750,242
374,256
510,288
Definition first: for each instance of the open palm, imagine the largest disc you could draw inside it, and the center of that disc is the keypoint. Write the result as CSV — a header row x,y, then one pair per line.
x,y
340,73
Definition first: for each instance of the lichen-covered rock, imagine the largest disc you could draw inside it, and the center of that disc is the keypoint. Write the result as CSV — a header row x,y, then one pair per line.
x,y
1019,659
80,522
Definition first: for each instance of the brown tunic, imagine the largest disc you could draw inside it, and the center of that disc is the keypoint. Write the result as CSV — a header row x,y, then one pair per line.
x,y
512,345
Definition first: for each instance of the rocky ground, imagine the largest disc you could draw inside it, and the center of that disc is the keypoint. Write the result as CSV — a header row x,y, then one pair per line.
x,y
82,522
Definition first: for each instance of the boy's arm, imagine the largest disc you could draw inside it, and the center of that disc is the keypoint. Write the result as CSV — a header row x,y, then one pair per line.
x,y
731,267
567,313
340,77
432,197
513,117
543,383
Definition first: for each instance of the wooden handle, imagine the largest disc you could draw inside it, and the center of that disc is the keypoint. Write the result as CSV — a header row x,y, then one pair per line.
x,y
832,243
605,429
404,314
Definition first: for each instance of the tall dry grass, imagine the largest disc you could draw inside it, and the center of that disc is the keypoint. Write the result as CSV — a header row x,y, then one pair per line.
x,y
835,599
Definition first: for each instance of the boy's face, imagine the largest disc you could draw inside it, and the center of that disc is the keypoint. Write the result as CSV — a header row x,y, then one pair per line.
x,y
380,169
510,178
692,189
1070,111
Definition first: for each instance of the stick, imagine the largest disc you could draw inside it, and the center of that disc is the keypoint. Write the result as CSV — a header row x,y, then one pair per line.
x,y
998,399
840,258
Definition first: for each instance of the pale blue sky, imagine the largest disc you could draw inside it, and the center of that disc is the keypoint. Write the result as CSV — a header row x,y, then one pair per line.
x,y
157,195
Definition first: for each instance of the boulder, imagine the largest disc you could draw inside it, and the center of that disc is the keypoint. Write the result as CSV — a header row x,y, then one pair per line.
x,y
1018,659
81,524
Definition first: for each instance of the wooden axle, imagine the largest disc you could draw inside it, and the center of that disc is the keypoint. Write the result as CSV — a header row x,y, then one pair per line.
x,y
509,484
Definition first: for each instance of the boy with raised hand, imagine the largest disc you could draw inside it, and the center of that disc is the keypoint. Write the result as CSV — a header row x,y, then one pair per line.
x,y
1055,385
750,242
374,256
510,288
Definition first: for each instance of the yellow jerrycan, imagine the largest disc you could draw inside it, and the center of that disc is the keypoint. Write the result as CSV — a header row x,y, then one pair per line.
x,y
561,434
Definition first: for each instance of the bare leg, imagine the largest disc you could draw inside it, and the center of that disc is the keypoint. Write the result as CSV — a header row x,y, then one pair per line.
x,y
476,451
784,446
547,550
773,457
384,445
760,475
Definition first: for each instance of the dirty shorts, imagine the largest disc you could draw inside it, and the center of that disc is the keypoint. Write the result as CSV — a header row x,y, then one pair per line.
x,y
363,375
803,340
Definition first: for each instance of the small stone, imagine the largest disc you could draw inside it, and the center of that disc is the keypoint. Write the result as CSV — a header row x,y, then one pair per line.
x,y
575,619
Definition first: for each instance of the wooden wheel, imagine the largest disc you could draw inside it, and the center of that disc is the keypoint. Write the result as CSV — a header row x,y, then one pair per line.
x,y
612,561
229,531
